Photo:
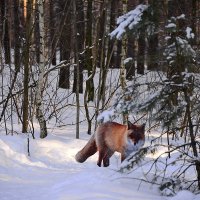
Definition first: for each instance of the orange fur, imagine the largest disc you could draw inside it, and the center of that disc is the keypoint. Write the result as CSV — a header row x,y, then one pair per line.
x,y
111,137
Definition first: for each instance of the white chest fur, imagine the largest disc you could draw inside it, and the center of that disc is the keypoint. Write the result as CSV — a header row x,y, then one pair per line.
x,y
130,146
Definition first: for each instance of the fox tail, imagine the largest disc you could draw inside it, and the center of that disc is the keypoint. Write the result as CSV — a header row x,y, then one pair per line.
x,y
88,150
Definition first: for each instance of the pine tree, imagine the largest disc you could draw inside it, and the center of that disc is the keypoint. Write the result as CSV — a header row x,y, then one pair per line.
x,y
171,99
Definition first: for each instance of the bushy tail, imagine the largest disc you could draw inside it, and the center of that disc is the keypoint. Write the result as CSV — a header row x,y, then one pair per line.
x,y
88,150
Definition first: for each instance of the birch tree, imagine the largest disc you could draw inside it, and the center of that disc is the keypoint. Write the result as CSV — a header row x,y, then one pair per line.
x,y
40,83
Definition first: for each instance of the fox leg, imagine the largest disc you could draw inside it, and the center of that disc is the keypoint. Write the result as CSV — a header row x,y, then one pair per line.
x,y
123,156
106,159
104,155
101,156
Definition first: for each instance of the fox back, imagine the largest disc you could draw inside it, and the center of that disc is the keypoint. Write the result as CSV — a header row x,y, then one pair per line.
x,y
111,137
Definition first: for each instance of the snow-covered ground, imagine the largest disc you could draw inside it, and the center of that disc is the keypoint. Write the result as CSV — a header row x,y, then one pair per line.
x,y
51,172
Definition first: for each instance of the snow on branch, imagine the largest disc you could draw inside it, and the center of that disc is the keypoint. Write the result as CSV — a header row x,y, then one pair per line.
x,y
128,21
134,159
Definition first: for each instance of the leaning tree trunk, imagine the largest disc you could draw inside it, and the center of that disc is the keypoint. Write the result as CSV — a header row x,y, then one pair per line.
x,y
40,83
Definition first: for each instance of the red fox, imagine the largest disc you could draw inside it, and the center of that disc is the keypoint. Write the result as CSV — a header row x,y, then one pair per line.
x,y
111,137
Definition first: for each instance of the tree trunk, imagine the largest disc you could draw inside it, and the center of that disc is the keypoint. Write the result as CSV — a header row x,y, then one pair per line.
x,y
2,8
192,136
37,34
118,53
52,32
141,49
26,56
17,58
131,46
111,43
89,92
153,53
100,57
6,34
65,43
76,58
80,26
194,20
153,38
102,54
88,56
39,109
141,53
21,16
101,46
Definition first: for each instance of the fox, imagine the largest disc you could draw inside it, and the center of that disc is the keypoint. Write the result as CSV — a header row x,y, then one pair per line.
x,y
110,137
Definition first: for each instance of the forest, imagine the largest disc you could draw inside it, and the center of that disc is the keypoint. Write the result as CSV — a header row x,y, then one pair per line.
x,y
67,66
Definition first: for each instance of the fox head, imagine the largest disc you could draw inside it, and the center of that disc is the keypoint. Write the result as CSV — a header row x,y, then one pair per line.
x,y
136,133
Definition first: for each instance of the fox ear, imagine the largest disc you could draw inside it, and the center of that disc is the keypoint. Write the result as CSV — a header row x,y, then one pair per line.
x,y
130,125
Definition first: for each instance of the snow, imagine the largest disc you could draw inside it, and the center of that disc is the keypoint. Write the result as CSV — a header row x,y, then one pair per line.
x,y
171,25
189,33
128,21
51,172
183,195
182,16
131,147
127,60
105,116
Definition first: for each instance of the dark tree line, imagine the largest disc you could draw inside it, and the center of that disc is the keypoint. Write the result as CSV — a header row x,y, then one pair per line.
x,y
95,20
